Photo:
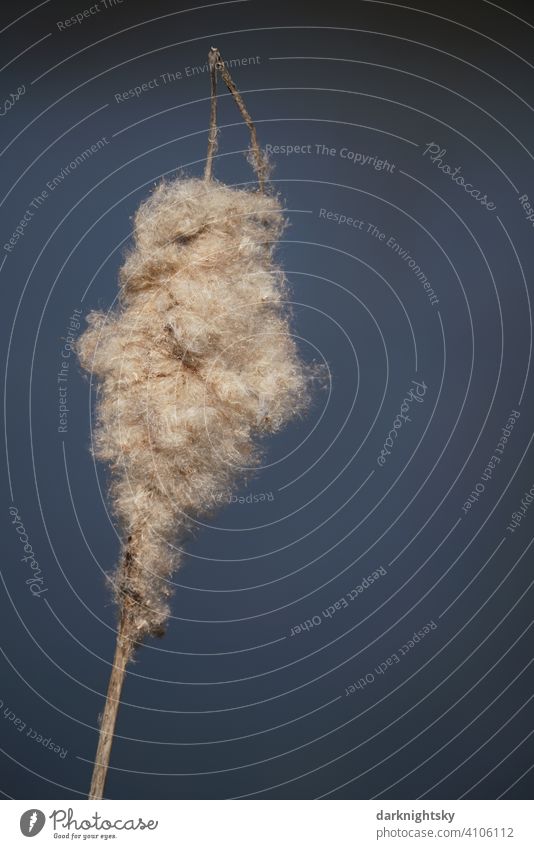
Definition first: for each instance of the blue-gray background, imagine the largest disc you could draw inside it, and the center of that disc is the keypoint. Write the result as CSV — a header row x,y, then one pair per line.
x,y
228,704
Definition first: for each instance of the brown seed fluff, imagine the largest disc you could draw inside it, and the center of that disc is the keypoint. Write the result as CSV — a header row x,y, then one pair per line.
x,y
194,364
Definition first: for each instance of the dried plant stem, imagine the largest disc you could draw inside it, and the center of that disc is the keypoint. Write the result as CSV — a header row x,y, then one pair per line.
x,y
123,652
216,63
212,132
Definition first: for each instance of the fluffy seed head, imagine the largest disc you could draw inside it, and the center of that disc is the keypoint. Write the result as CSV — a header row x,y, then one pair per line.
x,y
194,364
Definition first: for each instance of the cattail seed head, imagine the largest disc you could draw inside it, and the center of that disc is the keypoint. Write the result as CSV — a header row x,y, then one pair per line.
x,y
194,364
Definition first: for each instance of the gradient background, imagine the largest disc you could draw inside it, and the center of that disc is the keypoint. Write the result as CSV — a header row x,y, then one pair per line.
x,y
228,704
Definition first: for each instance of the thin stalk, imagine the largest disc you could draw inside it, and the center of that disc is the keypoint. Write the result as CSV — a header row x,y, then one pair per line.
x,y
259,163
212,132
123,653
124,649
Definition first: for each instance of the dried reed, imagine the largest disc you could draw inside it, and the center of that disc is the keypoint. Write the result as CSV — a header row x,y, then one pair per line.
x,y
196,362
